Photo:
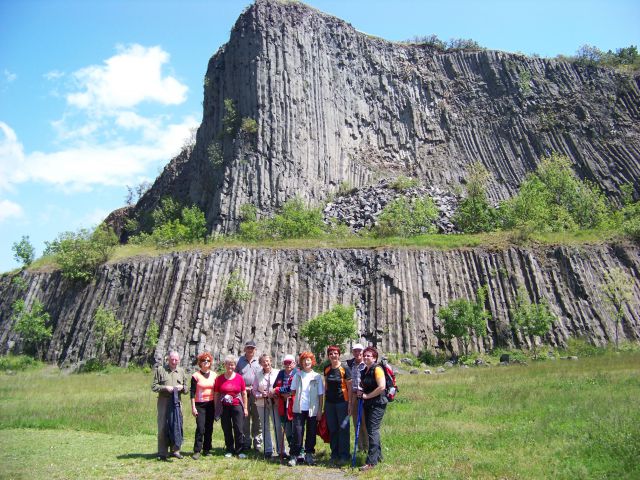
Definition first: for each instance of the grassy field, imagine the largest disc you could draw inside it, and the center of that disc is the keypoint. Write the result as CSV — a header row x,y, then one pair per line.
x,y
555,419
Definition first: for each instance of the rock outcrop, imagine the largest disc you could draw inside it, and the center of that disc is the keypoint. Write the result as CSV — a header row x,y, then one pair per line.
x,y
397,294
334,105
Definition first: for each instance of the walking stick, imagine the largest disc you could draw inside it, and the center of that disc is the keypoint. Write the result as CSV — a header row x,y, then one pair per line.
x,y
273,421
355,445
264,426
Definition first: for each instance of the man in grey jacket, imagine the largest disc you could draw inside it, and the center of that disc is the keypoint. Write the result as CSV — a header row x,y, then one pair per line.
x,y
166,379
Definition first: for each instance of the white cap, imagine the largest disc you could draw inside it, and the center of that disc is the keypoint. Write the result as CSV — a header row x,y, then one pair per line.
x,y
357,346
289,357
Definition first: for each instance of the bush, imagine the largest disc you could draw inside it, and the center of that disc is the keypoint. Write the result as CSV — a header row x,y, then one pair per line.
x,y
236,290
531,319
334,327
18,363
403,183
231,120
249,125
406,218
554,199
475,214
31,325
429,358
108,332
79,254
294,220
461,319
151,337
174,224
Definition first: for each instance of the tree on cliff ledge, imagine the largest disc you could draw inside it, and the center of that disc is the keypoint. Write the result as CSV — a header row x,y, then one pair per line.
x,y
334,327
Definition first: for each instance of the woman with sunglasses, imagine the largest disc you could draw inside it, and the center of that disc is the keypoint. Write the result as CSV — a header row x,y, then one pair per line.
x,y
202,405
282,391
373,383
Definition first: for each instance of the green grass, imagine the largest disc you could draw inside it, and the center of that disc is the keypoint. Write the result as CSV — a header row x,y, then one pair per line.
x,y
554,419
492,240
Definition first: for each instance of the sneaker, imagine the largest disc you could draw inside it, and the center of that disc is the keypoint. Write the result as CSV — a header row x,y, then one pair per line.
x,y
308,459
367,467
242,456
228,455
196,455
162,458
177,455
293,462
206,453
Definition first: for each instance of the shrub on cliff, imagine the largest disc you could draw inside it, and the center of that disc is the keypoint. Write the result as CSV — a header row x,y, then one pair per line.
x,y
32,325
531,318
463,318
172,224
79,254
475,214
294,220
554,199
406,218
23,251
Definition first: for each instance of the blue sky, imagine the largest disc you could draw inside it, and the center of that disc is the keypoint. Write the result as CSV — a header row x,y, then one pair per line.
x,y
98,95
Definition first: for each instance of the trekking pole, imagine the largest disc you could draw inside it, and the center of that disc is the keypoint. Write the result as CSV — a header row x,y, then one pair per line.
x,y
273,422
265,421
355,445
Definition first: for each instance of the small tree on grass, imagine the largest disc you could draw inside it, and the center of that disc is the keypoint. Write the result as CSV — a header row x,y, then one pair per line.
x,y
31,325
334,327
23,251
531,319
108,332
616,291
462,318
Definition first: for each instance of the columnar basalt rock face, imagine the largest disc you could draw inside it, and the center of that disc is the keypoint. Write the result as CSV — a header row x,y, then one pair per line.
x,y
335,105
397,294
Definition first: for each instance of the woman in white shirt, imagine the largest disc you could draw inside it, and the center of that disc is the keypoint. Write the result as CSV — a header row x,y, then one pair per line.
x,y
307,405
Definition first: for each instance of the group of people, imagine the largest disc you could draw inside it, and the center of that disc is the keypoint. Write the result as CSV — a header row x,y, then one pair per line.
x,y
262,408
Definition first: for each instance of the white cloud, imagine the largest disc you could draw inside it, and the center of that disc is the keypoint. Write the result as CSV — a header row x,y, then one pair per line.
x,y
9,209
11,158
9,76
83,166
127,79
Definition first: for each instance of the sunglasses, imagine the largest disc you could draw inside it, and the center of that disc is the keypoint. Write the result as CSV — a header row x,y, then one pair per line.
x,y
205,361
288,362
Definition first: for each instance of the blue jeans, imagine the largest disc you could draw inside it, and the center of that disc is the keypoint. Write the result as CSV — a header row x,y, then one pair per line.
x,y
336,414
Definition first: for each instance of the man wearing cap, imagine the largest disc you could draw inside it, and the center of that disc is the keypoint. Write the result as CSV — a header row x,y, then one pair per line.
x,y
357,366
248,366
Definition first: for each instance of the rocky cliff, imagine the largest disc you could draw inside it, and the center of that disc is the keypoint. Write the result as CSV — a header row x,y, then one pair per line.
x,y
396,293
335,105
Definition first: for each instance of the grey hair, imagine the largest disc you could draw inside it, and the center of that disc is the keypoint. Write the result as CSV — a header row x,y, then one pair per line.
x,y
173,352
230,358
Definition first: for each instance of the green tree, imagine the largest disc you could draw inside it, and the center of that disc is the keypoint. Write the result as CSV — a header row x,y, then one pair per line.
x,y
295,220
616,291
531,319
403,217
231,120
23,251
31,324
108,333
554,199
174,224
463,319
475,214
334,327
79,254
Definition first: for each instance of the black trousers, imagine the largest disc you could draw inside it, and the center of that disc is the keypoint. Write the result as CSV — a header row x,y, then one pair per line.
x,y
300,420
232,421
373,414
204,426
